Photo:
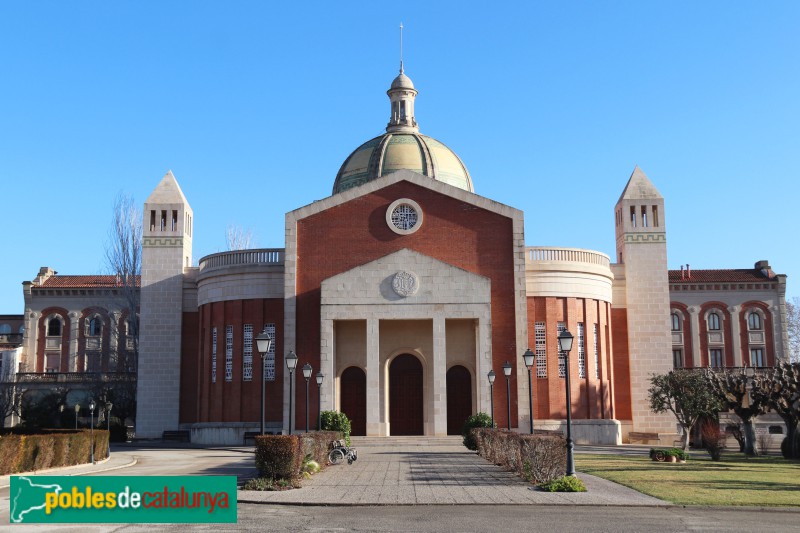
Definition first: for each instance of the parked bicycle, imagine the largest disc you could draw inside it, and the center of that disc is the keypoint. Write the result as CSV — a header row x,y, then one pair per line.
x,y
340,451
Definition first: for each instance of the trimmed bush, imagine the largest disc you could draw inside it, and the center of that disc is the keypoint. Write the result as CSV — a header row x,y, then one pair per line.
x,y
317,444
278,456
336,421
480,420
26,451
564,484
536,458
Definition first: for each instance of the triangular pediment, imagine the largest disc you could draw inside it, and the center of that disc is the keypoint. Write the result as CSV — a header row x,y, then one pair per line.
x,y
406,277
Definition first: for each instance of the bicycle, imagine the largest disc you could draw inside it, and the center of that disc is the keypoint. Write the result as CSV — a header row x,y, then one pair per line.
x,y
340,452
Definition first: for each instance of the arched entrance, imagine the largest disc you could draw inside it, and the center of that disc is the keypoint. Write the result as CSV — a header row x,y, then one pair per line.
x,y
459,398
405,396
354,399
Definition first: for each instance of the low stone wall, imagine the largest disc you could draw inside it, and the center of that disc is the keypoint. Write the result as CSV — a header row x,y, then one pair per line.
x,y
586,431
226,434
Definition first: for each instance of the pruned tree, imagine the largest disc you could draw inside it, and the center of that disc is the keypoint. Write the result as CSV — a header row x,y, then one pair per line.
x,y
732,388
780,391
686,394
793,328
237,238
9,395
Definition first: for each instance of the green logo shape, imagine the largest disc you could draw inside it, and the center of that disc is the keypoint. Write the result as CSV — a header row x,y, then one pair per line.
x,y
122,499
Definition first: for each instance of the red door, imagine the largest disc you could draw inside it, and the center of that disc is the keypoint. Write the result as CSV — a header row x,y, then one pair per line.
x,y
405,396
354,399
459,398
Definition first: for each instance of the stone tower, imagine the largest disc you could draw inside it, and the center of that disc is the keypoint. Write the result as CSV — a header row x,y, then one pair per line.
x,y
642,254
166,252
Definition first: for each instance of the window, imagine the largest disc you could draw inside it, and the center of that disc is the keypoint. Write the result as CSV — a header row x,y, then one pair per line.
x,y
269,360
213,355
754,321
228,353
677,359
541,350
757,357
713,322
247,353
596,355
51,362
655,216
5,329
676,322
562,357
633,217
93,362
715,358
581,352
94,327
54,327
644,216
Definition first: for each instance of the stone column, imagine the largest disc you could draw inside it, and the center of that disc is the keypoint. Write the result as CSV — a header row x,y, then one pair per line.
x,y
375,426
439,364
694,313
327,365
735,333
74,328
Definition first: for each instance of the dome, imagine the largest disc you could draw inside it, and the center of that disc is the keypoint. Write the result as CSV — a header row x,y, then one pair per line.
x,y
391,152
402,147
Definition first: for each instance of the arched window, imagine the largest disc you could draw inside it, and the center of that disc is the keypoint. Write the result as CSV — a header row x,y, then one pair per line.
x,y
754,321
94,327
713,322
54,327
676,322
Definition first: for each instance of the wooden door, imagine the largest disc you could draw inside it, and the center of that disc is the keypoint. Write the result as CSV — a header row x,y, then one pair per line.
x,y
459,398
405,396
354,399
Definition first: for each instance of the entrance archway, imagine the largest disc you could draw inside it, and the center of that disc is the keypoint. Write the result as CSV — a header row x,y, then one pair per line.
x,y
354,399
459,398
405,396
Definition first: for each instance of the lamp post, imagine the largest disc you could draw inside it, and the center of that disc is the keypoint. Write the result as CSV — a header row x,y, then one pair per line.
x,y
61,415
307,370
491,376
528,357
320,378
291,364
507,372
91,426
263,345
77,410
109,405
565,345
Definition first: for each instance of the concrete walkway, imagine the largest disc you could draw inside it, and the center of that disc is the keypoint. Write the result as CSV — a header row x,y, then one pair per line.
x,y
424,471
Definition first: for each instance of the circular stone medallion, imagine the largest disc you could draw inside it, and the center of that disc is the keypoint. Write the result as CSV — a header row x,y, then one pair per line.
x,y
405,283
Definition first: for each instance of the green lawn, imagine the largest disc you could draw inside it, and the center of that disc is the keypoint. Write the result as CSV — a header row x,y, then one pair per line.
x,y
736,480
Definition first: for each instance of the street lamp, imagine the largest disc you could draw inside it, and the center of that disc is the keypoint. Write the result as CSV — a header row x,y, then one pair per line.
x,y
109,405
91,426
507,372
61,415
320,378
77,410
263,345
491,375
291,364
307,370
528,357
565,345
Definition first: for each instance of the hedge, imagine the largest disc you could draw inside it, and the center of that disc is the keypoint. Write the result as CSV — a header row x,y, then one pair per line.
x,y
537,458
281,456
25,452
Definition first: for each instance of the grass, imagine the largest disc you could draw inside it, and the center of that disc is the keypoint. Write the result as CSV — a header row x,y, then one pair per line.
x,y
735,480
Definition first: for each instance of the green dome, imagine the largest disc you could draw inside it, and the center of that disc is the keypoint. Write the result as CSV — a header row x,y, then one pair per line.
x,y
391,152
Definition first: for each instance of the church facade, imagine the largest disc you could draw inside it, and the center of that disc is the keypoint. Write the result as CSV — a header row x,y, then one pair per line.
x,y
404,289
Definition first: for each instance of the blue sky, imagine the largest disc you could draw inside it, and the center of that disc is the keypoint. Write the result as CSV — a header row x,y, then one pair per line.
x,y
255,105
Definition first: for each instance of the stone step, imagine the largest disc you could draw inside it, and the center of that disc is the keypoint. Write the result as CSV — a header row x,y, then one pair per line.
x,y
407,441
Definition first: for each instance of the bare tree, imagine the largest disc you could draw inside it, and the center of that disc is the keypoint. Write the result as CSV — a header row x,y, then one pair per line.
x,y
237,238
732,387
9,397
124,260
780,391
793,328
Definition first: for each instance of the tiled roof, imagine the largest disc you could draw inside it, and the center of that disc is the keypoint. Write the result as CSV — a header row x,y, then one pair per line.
x,y
742,275
82,282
